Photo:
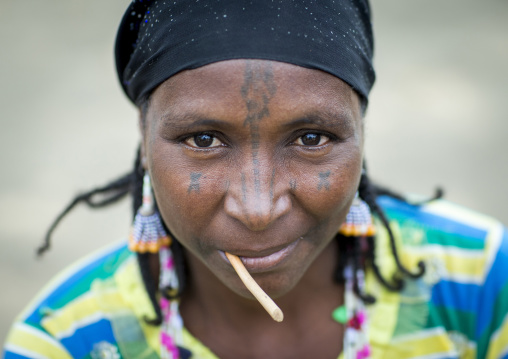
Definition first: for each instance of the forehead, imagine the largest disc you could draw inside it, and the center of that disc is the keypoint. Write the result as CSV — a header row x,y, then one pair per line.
x,y
233,82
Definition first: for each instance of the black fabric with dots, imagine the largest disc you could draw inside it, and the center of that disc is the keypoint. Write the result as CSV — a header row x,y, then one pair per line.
x,y
157,39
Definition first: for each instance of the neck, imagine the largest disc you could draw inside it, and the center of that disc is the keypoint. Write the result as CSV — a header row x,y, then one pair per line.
x,y
211,311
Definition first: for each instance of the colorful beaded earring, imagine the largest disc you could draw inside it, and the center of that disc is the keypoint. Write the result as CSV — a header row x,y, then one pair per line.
x,y
358,221
149,236
353,314
147,233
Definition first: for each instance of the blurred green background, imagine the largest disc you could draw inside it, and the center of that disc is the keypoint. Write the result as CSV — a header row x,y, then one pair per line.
x,y
437,116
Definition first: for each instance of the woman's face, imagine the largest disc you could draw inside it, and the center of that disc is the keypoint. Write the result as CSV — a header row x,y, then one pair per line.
x,y
258,158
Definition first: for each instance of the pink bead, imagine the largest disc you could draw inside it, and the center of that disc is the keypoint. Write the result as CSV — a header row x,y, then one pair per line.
x,y
363,353
164,303
166,340
354,323
168,343
175,353
361,317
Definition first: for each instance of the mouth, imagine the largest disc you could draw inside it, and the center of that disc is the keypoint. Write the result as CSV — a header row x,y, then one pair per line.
x,y
262,263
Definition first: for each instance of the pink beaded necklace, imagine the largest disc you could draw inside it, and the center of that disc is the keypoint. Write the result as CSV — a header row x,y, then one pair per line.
x,y
354,316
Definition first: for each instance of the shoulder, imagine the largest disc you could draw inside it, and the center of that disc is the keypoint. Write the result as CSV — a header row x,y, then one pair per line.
x,y
471,246
457,244
442,216
86,308
463,296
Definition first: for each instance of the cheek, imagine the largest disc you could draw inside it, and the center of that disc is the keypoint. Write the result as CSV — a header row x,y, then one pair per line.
x,y
187,197
327,190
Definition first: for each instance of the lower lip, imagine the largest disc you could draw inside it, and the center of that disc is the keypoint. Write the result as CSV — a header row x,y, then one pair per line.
x,y
261,264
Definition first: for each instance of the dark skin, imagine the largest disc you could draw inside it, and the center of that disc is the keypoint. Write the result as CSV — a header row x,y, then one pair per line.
x,y
261,159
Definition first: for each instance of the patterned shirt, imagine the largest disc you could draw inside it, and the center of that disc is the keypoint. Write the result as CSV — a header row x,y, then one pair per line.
x,y
458,309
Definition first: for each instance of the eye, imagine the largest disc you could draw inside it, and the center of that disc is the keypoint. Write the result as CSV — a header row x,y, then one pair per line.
x,y
312,139
203,140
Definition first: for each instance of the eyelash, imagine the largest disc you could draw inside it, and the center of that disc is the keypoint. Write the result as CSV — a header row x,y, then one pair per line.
x,y
211,137
321,138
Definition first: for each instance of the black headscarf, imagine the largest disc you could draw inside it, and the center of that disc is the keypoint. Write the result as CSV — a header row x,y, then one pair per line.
x,y
157,39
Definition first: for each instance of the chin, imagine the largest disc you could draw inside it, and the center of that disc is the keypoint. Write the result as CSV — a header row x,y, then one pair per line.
x,y
275,285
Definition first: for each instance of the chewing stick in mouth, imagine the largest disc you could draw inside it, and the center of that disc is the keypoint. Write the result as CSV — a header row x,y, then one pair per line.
x,y
255,289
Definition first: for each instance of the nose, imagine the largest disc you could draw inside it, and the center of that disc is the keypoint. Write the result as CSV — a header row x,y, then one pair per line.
x,y
257,199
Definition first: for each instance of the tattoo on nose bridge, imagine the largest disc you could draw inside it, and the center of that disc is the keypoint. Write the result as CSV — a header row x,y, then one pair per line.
x,y
257,90
323,181
244,189
194,182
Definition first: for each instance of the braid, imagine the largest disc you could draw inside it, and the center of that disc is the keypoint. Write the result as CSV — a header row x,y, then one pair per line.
x,y
111,193
129,183
367,192
382,191
350,250
150,286
351,247
397,282
358,263
343,257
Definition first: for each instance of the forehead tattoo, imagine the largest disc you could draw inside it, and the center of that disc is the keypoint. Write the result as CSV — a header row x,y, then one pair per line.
x,y
257,90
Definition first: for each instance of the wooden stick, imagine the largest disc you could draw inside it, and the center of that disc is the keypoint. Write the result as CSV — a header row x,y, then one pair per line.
x,y
255,289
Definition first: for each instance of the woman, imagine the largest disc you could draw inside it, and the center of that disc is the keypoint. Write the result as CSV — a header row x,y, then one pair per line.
x,y
251,118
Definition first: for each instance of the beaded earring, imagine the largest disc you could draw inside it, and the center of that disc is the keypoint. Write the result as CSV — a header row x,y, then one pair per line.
x,y
352,314
147,233
358,220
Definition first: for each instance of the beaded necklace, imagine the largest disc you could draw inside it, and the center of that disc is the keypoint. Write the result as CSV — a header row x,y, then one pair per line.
x,y
172,323
354,316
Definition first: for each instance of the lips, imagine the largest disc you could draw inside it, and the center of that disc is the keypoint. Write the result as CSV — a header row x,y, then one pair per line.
x,y
262,263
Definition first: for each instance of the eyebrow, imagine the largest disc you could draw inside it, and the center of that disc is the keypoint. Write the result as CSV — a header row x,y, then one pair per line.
x,y
189,122
341,121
